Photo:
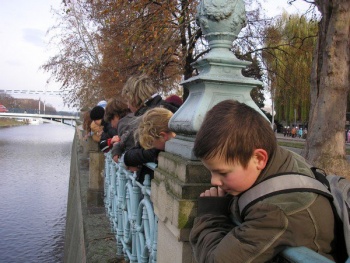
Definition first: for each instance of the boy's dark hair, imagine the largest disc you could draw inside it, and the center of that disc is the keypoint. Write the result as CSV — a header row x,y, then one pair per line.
x,y
233,130
115,106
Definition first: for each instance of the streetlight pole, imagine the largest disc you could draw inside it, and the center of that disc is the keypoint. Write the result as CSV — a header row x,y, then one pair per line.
x,y
272,105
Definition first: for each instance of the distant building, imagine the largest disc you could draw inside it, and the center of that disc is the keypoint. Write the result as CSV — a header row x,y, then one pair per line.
x,y
3,108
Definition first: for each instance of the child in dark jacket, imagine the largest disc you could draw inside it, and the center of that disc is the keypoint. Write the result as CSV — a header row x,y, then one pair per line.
x,y
152,134
115,111
239,148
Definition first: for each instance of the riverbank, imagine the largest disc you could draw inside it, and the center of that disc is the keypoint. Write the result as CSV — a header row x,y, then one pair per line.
x,y
88,235
8,122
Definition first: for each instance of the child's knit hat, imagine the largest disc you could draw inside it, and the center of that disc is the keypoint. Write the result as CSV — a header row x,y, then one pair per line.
x,y
97,113
174,100
102,103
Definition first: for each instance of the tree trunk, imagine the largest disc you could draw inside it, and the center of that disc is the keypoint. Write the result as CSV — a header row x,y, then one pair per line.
x,y
325,145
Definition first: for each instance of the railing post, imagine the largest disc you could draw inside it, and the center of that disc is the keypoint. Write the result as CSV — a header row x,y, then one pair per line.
x,y
113,199
135,200
121,177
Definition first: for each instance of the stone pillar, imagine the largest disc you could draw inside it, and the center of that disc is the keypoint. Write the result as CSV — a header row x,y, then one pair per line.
x,y
90,152
96,177
96,167
180,177
175,188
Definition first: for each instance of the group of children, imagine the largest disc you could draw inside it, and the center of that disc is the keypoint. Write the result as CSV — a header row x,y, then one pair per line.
x,y
134,126
230,145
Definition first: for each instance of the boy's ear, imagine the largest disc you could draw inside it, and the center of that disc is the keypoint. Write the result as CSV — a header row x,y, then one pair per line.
x,y
164,135
261,157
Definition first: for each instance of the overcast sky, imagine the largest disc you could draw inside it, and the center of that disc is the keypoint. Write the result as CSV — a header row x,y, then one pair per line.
x,y
23,45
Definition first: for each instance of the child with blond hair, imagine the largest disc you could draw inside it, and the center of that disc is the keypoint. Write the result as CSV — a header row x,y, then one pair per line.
x,y
153,130
151,135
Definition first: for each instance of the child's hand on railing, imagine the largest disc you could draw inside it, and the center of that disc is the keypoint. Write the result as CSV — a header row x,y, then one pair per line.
x,y
115,139
115,158
132,168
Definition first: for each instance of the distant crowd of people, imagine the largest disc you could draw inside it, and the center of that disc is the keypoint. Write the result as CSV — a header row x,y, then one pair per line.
x,y
347,136
133,127
295,132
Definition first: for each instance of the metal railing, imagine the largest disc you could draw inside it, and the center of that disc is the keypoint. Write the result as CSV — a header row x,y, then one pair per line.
x,y
134,223
130,210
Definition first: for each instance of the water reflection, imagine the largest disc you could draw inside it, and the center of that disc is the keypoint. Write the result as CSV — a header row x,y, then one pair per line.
x,y
34,177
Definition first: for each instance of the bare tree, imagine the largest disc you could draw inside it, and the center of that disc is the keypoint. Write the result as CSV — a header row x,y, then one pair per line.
x,y
77,62
325,147
330,86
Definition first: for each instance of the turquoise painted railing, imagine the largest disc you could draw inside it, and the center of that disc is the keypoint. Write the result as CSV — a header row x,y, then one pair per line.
x,y
131,213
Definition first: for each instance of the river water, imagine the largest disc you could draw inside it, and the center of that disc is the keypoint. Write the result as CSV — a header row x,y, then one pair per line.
x,y
34,177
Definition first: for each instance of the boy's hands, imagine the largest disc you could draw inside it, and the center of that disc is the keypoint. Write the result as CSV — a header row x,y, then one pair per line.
x,y
213,191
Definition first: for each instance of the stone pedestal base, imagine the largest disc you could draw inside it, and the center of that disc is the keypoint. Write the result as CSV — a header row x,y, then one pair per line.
x,y
181,146
175,188
170,249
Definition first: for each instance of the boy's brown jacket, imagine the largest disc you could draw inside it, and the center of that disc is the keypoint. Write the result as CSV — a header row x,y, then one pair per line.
x,y
269,226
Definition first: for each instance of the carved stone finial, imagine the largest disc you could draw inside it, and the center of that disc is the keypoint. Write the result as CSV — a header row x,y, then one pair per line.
x,y
221,21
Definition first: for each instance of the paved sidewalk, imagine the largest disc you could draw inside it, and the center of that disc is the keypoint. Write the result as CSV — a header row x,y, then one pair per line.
x,y
282,138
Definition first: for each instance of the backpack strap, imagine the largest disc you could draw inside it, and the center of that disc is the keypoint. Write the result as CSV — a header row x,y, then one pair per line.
x,y
279,184
321,176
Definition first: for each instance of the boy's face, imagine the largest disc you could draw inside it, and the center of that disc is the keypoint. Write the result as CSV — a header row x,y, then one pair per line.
x,y
114,121
133,109
98,122
159,143
232,177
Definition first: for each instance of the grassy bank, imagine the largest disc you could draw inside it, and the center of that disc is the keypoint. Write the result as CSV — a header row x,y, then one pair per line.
x,y
7,122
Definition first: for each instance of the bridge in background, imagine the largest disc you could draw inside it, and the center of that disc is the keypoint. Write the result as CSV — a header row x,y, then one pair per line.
x,y
44,117
32,92
42,96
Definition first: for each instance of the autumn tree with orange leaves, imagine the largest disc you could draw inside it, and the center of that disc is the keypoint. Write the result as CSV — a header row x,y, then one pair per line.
x,y
158,38
105,42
